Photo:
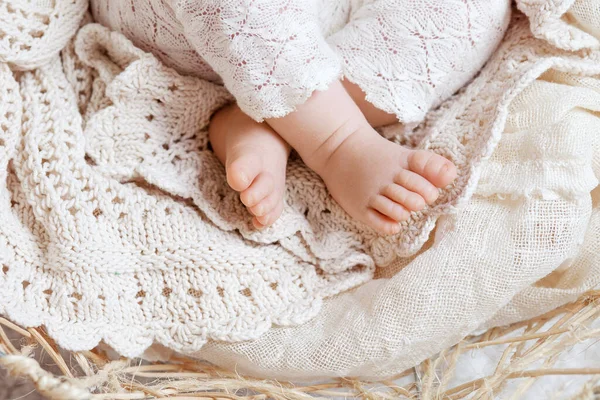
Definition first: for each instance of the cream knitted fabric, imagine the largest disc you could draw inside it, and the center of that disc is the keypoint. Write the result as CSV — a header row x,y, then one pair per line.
x,y
117,223
407,56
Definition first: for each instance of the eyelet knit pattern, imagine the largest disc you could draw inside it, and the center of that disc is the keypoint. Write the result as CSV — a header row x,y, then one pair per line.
x,y
408,56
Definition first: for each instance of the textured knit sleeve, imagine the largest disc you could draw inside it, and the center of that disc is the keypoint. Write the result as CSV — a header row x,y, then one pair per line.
x,y
271,54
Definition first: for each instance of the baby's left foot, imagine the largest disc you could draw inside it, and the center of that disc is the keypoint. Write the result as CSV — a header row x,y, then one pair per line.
x,y
379,182
255,158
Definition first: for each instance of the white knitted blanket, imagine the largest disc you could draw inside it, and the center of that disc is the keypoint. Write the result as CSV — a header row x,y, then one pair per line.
x,y
117,223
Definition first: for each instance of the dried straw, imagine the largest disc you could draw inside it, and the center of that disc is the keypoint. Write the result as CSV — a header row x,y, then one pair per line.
x,y
93,375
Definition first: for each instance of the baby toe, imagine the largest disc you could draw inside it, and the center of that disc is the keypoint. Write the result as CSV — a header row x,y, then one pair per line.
x,y
433,167
410,200
242,171
257,224
260,189
417,184
448,174
382,224
266,205
269,218
389,208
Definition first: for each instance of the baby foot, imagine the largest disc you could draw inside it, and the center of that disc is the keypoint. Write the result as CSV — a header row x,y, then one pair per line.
x,y
255,159
379,182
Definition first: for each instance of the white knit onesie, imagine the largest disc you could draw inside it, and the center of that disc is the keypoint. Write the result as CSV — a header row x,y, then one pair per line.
x,y
407,55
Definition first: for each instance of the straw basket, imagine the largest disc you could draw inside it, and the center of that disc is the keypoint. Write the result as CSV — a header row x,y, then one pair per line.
x,y
528,353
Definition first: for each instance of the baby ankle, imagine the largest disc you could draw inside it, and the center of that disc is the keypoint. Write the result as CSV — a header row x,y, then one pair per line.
x,y
319,158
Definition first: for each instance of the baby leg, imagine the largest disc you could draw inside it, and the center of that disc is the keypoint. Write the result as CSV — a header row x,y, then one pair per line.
x,y
408,57
374,116
399,62
255,159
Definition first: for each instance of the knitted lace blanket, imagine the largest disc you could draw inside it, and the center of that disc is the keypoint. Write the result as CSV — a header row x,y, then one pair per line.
x,y
117,224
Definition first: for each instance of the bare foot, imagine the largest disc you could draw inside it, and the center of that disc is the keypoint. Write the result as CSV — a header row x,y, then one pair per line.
x,y
376,181
379,182
255,158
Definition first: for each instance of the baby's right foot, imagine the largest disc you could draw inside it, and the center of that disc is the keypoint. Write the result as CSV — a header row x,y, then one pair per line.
x,y
255,159
379,182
